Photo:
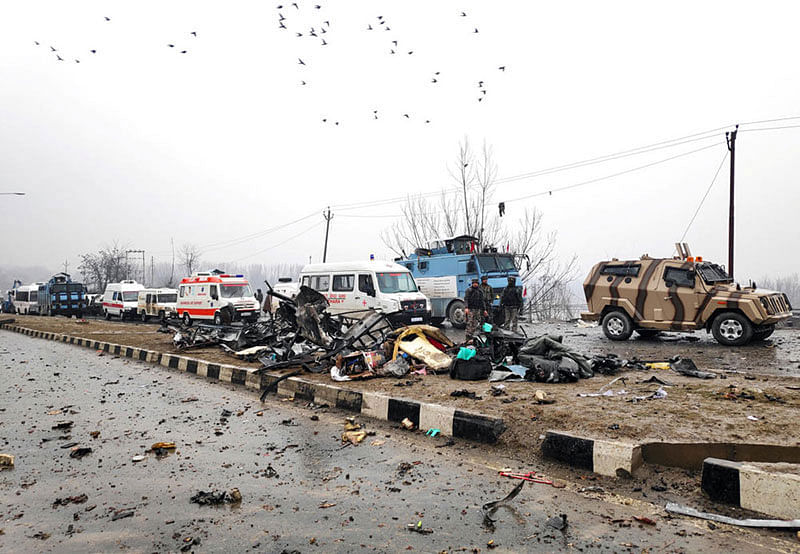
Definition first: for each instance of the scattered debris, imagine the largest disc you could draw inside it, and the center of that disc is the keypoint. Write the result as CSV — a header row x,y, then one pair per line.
x,y
63,425
136,459
353,437
325,505
6,461
80,452
759,523
122,514
465,394
645,520
407,424
418,528
214,498
490,508
541,397
79,499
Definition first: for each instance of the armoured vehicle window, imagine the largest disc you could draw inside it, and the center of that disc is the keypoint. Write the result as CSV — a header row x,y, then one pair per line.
x,y
343,283
629,270
492,262
712,273
679,277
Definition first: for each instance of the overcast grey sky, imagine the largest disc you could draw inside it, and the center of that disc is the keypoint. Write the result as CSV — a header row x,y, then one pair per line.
x,y
139,143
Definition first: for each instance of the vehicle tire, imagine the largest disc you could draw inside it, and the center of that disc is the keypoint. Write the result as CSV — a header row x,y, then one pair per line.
x,y
144,317
456,315
764,333
162,316
187,319
437,321
217,318
107,315
648,333
732,329
617,325
79,315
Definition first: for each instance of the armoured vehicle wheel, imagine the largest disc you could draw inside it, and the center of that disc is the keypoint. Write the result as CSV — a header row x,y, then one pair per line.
x,y
732,329
187,319
763,334
617,325
217,318
648,333
144,317
456,315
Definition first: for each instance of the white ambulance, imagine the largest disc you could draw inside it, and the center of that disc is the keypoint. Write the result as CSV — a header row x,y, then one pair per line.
x,y
202,295
356,286
121,299
161,303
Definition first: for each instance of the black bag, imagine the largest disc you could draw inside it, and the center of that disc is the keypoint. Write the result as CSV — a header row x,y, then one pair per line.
x,y
476,368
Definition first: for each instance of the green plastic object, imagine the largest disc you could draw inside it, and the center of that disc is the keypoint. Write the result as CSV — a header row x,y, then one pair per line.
x,y
487,327
465,353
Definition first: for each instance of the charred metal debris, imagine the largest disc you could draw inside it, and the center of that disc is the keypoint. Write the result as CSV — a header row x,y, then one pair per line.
x,y
299,333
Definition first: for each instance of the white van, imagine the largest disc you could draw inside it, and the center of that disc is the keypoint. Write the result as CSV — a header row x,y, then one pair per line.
x,y
121,299
161,303
286,287
26,299
202,295
385,286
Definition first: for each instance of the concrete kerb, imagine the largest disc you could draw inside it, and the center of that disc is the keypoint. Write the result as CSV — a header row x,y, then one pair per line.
x,y
610,458
758,487
449,421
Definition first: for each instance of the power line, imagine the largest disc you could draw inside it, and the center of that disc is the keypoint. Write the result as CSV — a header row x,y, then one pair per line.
x,y
631,170
246,238
708,190
280,243
769,128
582,163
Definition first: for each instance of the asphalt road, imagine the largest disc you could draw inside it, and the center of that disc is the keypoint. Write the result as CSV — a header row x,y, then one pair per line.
x,y
301,489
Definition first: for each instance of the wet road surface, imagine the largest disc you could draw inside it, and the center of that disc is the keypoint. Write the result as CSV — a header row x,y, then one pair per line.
x,y
301,489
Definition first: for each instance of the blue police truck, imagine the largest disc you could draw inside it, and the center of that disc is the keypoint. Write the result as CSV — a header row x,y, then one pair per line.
x,y
445,269
60,296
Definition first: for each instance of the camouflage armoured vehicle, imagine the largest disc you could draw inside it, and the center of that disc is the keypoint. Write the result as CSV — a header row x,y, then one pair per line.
x,y
683,293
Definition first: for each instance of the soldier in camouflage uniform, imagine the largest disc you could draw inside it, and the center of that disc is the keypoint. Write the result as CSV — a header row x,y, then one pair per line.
x,y
511,302
475,308
488,296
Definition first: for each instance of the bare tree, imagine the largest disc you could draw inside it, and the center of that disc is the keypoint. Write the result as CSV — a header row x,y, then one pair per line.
x,y
108,265
189,256
470,212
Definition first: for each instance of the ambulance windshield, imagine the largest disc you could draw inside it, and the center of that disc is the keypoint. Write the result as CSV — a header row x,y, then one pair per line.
x,y
236,291
396,282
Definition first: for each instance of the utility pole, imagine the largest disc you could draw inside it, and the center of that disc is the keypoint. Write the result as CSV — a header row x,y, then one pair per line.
x,y
328,218
730,137
172,271
144,263
152,269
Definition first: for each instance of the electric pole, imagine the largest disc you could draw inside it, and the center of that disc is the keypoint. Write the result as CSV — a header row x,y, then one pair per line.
x,y
152,269
144,263
328,218
731,139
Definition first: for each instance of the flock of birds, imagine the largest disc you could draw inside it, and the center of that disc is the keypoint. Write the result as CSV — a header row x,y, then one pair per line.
x,y
107,19
319,32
